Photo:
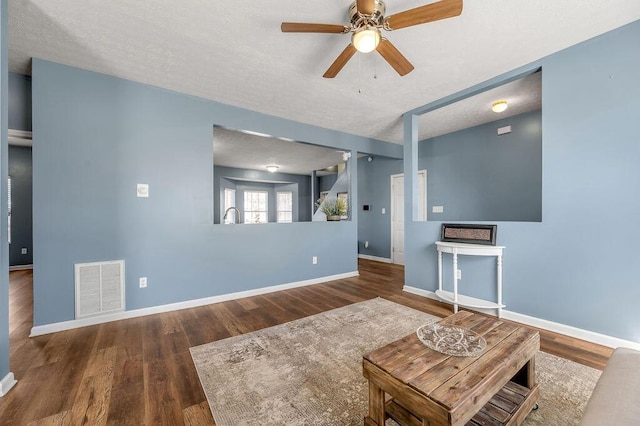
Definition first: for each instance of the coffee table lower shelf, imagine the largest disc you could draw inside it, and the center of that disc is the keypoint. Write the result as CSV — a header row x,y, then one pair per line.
x,y
508,407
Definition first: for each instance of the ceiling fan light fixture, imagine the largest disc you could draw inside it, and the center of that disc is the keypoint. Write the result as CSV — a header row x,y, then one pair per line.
x,y
499,106
366,39
272,168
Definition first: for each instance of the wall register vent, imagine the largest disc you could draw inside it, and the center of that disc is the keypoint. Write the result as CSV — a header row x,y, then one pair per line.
x,y
99,288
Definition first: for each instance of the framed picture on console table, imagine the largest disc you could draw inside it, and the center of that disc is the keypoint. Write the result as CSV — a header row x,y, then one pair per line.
x,y
469,233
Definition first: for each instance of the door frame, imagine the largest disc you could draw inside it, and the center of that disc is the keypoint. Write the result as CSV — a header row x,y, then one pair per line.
x,y
391,205
391,212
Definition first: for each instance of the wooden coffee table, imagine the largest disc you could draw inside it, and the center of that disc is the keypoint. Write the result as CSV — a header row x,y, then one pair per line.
x,y
427,387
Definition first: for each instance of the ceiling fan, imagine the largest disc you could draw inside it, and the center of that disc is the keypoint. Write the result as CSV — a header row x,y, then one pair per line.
x,y
366,22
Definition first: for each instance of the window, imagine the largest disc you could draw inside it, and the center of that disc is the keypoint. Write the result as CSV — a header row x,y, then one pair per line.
x,y
229,201
255,207
344,196
284,204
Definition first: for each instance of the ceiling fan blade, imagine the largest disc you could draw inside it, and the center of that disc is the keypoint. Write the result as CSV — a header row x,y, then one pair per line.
x,y
394,57
340,62
423,14
300,27
366,7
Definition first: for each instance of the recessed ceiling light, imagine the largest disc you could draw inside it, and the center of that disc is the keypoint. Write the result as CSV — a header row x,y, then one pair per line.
x,y
272,168
499,106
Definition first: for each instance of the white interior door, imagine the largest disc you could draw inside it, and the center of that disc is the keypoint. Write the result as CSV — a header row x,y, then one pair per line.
x,y
397,212
397,219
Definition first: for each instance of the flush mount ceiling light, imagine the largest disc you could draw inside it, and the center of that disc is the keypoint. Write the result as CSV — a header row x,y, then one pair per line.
x,y
366,39
499,106
272,168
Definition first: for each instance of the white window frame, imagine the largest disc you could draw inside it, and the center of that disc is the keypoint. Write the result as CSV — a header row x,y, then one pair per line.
x,y
229,201
248,214
281,210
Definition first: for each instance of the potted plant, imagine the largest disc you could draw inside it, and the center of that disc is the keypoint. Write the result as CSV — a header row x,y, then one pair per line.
x,y
333,208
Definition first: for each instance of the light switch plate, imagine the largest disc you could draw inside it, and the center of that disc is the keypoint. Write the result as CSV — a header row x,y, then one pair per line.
x,y
437,209
143,190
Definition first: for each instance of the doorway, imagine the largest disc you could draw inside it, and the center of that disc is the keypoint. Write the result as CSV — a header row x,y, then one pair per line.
x,y
397,212
20,200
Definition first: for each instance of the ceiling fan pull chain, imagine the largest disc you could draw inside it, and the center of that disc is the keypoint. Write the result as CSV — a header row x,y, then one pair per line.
x,y
375,68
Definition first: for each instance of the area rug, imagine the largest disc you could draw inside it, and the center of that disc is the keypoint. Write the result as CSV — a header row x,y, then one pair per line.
x,y
309,371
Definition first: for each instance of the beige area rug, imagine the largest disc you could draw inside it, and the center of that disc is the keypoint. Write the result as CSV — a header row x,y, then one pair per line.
x,y
309,371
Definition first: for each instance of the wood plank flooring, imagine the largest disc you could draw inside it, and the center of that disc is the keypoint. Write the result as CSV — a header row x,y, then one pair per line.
x,y
140,372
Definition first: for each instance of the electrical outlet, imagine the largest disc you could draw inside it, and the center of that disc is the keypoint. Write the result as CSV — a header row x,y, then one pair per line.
x,y
143,282
24,250
314,260
459,274
437,209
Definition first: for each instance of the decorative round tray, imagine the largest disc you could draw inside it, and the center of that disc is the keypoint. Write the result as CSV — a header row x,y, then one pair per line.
x,y
451,340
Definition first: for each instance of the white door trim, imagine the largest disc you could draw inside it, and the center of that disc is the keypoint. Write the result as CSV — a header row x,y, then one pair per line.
x,y
392,212
422,201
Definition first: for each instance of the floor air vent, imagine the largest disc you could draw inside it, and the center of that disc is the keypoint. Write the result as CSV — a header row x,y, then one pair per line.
x,y
99,288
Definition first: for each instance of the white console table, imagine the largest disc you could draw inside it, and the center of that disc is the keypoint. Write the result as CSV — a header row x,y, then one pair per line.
x,y
469,250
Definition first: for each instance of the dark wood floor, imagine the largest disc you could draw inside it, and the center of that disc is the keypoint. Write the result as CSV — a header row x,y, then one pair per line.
x,y
139,371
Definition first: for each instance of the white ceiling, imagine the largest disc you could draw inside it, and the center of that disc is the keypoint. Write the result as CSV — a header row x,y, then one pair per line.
x,y
523,95
244,150
233,51
232,148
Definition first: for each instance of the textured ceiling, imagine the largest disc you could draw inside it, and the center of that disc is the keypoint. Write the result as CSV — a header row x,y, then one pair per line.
x,y
232,148
522,96
233,51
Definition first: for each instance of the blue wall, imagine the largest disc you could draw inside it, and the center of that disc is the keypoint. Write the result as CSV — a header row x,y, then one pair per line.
x,y
19,101
325,183
374,188
473,173
576,266
96,136
20,170
477,175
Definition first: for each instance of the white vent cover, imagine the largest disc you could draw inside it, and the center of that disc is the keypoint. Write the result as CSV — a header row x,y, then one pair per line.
x,y
504,130
99,288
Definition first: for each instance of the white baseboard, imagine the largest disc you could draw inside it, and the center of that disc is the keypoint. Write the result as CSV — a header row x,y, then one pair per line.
x,y
376,258
68,325
420,292
20,267
578,333
7,383
567,330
